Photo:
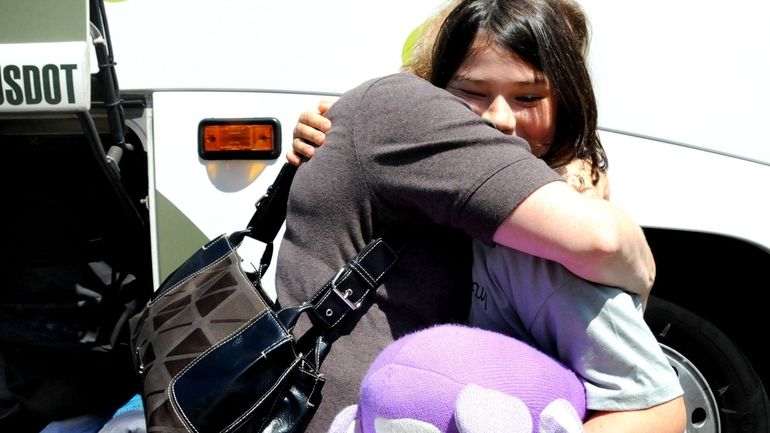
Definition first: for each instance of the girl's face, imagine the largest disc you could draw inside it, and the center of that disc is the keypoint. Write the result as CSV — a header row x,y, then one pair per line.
x,y
505,90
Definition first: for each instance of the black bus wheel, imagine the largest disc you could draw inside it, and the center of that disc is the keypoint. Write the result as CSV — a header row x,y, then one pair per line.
x,y
723,392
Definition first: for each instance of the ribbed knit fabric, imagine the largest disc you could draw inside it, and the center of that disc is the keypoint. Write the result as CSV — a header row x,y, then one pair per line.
x,y
421,375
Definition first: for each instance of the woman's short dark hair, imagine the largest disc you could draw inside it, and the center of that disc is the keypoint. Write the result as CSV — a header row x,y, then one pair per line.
x,y
543,34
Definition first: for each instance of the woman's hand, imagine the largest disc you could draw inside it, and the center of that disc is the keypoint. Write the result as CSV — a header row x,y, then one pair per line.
x,y
577,174
309,133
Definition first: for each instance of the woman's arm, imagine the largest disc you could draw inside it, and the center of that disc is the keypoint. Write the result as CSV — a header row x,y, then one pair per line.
x,y
592,238
577,174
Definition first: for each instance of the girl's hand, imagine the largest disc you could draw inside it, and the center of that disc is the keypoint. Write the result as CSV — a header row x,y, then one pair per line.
x,y
577,174
309,133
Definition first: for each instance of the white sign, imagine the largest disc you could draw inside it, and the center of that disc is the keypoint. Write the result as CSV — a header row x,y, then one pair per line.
x,y
52,76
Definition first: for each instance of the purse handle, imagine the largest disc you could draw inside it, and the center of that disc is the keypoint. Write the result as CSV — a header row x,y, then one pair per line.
x,y
270,212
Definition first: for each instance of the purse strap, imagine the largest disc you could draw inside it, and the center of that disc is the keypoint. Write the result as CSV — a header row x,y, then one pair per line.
x,y
347,290
270,212
359,278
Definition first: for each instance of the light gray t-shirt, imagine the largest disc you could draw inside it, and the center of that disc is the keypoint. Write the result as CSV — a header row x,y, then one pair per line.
x,y
400,151
597,331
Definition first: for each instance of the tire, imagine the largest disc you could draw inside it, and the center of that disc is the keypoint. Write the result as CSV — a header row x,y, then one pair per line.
x,y
723,392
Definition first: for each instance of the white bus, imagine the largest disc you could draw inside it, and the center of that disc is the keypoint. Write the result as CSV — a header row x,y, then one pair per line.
x,y
682,91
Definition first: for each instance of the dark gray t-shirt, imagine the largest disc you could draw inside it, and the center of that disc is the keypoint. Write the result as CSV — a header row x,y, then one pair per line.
x,y
400,151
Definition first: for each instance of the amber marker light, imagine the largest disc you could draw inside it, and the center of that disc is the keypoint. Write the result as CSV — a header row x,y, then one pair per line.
x,y
254,138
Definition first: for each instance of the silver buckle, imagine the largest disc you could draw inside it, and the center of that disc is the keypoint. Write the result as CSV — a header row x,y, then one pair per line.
x,y
343,296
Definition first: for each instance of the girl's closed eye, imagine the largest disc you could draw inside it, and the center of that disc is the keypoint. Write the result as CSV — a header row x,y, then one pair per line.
x,y
529,99
468,92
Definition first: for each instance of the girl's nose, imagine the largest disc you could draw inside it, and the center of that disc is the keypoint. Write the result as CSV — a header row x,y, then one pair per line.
x,y
501,115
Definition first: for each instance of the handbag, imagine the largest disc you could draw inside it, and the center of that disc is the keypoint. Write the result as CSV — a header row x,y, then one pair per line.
x,y
216,354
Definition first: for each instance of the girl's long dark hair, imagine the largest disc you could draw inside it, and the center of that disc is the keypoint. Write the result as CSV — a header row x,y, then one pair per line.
x,y
543,34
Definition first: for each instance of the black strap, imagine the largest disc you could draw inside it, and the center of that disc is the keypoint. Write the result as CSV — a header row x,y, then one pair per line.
x,y
270,213
270,210
360,276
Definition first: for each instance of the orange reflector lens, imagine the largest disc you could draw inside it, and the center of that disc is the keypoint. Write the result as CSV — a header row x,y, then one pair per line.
x,y
239,139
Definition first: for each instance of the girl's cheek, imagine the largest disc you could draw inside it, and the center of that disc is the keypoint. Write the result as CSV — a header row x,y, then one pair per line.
x,y
477,109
